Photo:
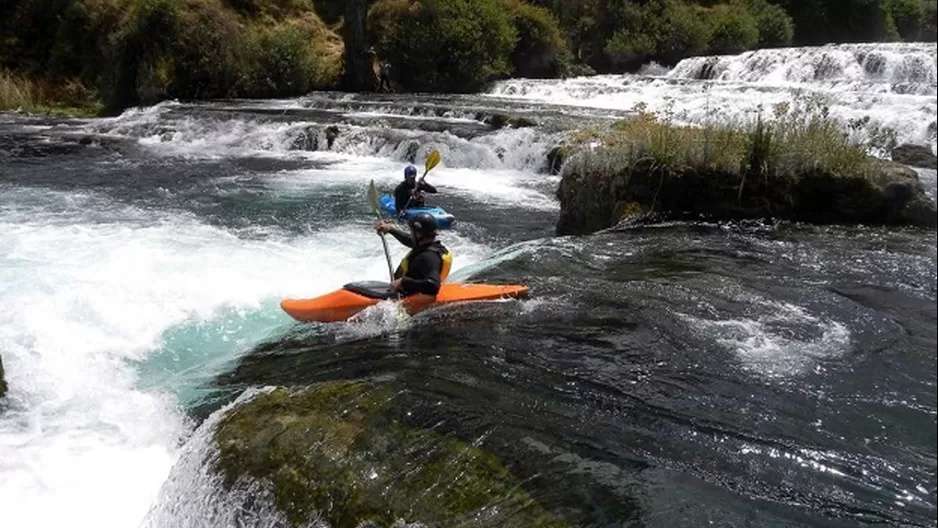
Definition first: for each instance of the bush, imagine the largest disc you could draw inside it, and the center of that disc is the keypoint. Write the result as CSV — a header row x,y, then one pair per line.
x,y
930,22
667,31
681,33
733,29
909,17
451,45
541,50
776,28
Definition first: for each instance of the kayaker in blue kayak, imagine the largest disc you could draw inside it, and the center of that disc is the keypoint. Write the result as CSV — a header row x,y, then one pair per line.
x,y
427,264
408,191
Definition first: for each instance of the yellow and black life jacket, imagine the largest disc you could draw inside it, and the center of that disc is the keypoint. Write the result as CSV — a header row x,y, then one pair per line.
x,y
435,247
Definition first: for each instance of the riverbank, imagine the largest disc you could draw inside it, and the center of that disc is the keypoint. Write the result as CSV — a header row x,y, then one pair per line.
x,y
797,164
140,52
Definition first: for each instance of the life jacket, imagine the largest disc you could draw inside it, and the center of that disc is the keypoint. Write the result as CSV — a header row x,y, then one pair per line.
x,y
435,247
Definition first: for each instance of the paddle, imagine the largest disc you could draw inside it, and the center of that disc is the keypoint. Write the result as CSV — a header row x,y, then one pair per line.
x,y
374,200
432,161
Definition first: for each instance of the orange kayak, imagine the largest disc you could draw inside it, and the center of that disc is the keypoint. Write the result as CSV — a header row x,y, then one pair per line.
x,y
354,297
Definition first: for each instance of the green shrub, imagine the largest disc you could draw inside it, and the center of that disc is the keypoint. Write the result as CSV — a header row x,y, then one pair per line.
x,y
451,45
733,29
666,30
930,21
541,50
776,28
909,17
681,32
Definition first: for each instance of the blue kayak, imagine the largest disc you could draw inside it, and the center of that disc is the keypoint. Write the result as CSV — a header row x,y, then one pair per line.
x,y
444,220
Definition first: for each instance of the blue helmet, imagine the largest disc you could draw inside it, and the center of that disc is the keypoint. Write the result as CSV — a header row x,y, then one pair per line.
x,y
410,172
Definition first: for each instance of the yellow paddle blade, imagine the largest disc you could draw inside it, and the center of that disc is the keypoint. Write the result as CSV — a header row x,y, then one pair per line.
x,y
432,160
373,198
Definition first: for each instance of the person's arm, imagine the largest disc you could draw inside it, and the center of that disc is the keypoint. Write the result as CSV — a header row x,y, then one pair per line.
x,y
402,236
427,266
400,198
426,187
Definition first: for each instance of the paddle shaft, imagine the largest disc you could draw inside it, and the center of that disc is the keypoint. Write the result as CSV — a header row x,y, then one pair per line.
x,y
387,253
376,207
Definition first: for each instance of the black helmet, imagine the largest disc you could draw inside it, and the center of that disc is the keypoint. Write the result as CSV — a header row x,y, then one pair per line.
x,y
423,224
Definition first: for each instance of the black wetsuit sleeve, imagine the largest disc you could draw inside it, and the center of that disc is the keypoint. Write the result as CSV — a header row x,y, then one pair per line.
x,y
401,195
426,266
426,187
402,236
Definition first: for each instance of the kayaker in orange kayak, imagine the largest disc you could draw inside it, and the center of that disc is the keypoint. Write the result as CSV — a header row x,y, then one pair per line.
x,y
427,264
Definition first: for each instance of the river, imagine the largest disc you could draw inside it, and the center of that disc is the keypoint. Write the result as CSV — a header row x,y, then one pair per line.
x,y
750,374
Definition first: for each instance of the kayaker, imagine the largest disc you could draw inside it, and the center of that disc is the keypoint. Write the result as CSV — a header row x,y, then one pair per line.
x,y
408,189
427,264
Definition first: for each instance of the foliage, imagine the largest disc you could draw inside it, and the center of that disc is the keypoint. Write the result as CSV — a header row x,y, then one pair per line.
x,y
541,50
733,29
450,45
791,141
776,28
142,51
70,97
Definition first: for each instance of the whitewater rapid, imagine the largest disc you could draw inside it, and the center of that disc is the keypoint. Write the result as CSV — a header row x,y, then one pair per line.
x,y
893,85
119,311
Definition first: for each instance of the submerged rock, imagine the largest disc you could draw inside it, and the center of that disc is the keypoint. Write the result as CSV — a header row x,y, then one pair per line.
x,y
338,453
599,193
3,382
915,156
498,121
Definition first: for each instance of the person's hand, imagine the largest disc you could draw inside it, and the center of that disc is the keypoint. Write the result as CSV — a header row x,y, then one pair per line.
x,y
382,226
396,285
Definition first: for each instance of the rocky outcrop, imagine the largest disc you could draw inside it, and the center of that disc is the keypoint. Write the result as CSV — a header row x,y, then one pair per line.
x,y
344,453
3,381
915,156
596,194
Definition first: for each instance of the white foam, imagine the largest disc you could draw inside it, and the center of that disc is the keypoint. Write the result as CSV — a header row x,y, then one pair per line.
x,y
91,286
504,187
768,345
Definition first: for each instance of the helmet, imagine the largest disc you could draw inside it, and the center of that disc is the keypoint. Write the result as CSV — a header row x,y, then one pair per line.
x,y
410,172
423,224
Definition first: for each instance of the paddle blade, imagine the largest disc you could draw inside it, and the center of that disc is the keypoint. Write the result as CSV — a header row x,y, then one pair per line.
x,y
432,160
373,198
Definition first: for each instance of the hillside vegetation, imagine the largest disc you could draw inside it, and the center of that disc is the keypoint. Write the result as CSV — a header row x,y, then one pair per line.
x,y
84,55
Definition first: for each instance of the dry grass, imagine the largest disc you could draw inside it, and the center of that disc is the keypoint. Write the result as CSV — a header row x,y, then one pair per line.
x,y
792,142
20,93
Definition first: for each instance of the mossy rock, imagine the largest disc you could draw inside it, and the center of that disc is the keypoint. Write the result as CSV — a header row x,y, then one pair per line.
x,y
336,452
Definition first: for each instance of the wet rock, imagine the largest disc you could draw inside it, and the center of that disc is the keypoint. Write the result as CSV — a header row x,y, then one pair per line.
x,y
556,158
498,121
332,132
3,382
343,453
915,156
598,194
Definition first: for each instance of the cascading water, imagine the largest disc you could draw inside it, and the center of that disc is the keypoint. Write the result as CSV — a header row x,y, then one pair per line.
x,y
893,85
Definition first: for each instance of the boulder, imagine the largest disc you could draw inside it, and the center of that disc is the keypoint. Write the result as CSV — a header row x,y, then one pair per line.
x,y
344,453
915,156
598,192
